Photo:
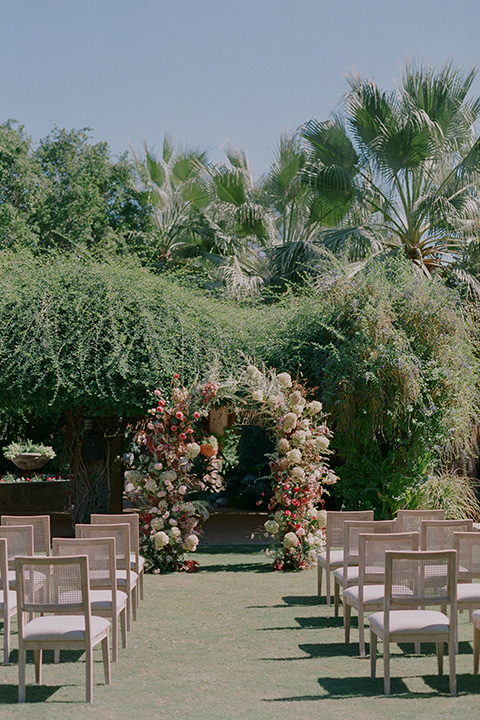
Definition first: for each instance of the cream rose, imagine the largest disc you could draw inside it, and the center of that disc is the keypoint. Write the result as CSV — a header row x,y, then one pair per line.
x,y
283,446
321,442
271,527
294,457
161,539
284,380
290,540
192,450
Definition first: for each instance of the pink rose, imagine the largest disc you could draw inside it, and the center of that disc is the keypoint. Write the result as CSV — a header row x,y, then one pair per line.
x,y
196,414
157,392
182,436
174,428
176,376
179,415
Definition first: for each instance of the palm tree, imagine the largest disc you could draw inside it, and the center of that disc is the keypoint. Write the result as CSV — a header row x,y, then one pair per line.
x,y
174,187
400,169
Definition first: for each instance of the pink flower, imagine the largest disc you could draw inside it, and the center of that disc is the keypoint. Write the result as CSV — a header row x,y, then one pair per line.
x,y
189,430
159,409
287,512
196,414
150,426
173,428
157,392
182,436
179,415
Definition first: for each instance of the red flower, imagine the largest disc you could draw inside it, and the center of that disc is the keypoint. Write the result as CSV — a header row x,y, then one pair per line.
x,y
287,512
189,430
173,428
182,436
176,376
179,415
196,414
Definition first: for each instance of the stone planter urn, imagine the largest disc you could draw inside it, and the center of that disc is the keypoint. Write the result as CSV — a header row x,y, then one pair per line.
x,y
30,461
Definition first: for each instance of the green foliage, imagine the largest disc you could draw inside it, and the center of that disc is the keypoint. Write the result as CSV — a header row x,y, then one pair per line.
x,y
75,332
455,494
395,358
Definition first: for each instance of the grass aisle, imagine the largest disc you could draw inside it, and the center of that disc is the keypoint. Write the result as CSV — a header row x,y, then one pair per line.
x,y
236,641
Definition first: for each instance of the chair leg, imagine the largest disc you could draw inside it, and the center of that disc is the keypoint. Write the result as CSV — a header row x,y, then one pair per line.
x,y
373,654
440,657
319,579
114,620
106,660
37,656
386,667
21,674
123,627
129,611
328,586
453,676
347,612
476,648
89,670
142,573
6,639
361,632
336,596
56,656
134,602
418,648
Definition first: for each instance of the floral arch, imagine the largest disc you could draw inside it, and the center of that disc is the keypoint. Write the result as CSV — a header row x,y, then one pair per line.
x,y
166,467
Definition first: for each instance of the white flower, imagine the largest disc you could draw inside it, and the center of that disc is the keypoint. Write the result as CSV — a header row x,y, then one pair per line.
x,y
298,473
158,466
257,395
275,401
271,527
129,488
182,489
310,539
297,409
300,532
321,442
254,373
173,522
314,407
290,540
133,476
322,518
169,476
278,517
296,398
175,533
161,539
284,380
191,542
150,485
289,422
299,437
294,456
157,524
283,446
192,450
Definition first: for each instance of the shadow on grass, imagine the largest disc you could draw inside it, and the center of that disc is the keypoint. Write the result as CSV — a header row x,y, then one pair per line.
x,y
238,567
315,623
325,650
48,656
231,549
34,694
408,650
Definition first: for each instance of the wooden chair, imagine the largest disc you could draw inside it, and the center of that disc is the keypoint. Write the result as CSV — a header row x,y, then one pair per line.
x,y
410,520
66,621
407,586
127,579
348,573
136,560
8,600
439,534
369,594
332,557
105,599
41,529
19,542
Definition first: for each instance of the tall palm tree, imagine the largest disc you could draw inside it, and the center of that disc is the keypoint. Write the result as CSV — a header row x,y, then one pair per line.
x,y
173,185
400,169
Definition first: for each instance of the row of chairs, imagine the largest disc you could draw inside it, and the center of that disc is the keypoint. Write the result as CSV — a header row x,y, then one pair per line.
x,y
396,569
81,587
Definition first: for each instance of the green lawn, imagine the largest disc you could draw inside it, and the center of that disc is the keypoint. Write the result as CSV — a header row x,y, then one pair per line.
x,y
238,641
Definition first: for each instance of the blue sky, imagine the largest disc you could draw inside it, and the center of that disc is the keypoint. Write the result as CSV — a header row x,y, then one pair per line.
x,y
211,71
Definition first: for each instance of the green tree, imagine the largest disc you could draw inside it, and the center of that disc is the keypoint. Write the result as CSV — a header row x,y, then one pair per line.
x,y
400,169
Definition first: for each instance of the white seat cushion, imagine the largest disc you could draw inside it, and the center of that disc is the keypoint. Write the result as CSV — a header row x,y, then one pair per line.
x,y
372,594
67,628
336,558
352,574
411,622
122,578
468,592
133,563
12,600
101,600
